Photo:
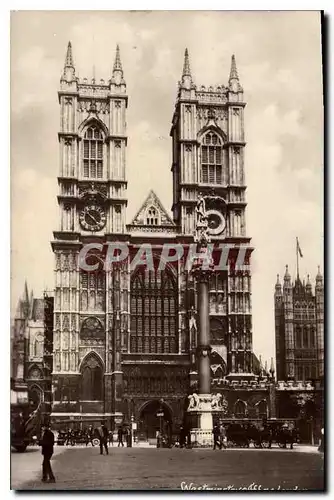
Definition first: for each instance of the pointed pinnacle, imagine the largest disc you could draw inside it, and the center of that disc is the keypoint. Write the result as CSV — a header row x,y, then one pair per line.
x,y
233,72
26,294
117,63
186,65
69,57
272,369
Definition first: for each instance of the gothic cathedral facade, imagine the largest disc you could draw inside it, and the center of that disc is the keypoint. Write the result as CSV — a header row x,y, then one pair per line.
x,y
124,340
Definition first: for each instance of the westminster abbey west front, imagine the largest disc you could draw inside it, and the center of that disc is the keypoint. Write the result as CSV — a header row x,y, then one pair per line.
x,y
125,341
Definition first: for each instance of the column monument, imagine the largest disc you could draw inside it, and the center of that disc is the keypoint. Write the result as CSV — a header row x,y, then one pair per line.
x,y
201,404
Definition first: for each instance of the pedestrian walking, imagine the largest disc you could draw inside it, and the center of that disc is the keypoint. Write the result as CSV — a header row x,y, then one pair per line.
x,y
47,443
216,437
223,437
182,437
321,447
90,435
111,438
102,434
120,437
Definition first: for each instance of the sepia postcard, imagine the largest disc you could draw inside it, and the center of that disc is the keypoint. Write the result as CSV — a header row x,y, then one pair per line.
x,y
167,250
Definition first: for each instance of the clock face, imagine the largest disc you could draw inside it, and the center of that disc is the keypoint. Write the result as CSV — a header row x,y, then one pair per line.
x,y
93,218
216,222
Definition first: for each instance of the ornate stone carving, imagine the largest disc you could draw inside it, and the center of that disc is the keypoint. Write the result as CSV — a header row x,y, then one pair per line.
x,y
194,402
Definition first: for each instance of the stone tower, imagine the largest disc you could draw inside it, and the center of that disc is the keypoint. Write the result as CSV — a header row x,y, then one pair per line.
x,y
299,329
92,202
208,159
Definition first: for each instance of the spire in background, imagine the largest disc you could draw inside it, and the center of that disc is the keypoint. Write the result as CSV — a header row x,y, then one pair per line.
x,y
272,368
26,293
287,275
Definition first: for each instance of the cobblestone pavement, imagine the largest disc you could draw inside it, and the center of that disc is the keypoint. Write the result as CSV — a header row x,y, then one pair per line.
x,y
177,469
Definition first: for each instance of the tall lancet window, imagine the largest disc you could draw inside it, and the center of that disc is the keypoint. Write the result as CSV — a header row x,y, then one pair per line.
x,y
93,153
154,312
211,159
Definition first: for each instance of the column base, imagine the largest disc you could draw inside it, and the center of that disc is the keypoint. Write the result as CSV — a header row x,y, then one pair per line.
x,y
201,433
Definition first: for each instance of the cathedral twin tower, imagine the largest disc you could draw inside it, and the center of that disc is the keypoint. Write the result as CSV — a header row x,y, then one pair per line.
x,y
124,338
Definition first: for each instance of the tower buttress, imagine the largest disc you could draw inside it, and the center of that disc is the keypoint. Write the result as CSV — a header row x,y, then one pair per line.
x,y
319,314
118,101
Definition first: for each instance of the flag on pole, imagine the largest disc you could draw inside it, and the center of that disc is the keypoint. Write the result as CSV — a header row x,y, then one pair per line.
x,y
299,249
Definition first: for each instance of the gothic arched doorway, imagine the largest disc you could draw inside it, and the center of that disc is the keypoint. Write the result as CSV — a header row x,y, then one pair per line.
x,y
154,416
91,378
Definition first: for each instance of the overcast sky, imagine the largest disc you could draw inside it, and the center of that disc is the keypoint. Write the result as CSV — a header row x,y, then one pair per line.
x,y
279,63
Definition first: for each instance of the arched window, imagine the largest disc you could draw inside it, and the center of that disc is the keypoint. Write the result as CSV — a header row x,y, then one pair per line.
x,y
211,159
93,153
92,379
262,409
154,312
298,337
240,409
305,337
152,217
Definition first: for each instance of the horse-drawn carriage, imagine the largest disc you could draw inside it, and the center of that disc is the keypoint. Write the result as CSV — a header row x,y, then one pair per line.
x,y
261,434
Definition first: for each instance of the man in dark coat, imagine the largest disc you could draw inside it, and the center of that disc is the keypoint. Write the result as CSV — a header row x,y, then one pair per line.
x,y
90,435
102,434
216,437
47,443
120,436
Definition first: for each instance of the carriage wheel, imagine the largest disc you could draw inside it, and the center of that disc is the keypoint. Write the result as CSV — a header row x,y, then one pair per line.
x,y
265,444
256,444
96,442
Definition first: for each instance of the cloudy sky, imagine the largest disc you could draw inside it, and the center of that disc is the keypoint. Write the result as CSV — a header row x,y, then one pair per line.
x,y
279,62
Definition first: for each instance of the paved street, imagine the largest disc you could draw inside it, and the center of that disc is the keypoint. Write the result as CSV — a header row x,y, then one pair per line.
x,y
150,468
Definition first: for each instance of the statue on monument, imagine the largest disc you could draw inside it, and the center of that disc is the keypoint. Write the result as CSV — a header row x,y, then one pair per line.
x,y
201,232
193,401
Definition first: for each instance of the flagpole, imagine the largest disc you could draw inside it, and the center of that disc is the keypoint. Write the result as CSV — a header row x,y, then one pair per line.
x,y
297,252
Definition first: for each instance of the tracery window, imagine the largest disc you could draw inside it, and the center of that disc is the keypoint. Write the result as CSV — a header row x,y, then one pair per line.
x,y
154,312
211,159
92,291
152,217
93,153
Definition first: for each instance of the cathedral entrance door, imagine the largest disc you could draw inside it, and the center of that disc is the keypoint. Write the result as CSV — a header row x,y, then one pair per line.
x,y
155,416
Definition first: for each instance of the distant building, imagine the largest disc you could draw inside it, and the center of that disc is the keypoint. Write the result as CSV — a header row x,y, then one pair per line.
x,y
27,346
299,329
